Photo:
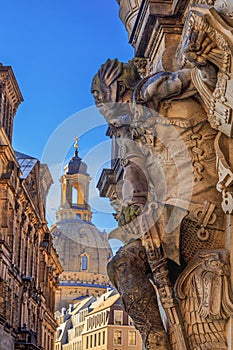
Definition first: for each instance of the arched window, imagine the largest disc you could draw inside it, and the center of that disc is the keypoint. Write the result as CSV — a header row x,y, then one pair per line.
x,y
74,195
84,263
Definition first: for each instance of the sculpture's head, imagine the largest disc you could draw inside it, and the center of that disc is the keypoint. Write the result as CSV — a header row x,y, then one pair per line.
x,y
112,88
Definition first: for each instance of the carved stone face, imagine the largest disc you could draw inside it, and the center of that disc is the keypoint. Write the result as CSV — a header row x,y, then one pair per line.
x,y
111,103
105,97
112,88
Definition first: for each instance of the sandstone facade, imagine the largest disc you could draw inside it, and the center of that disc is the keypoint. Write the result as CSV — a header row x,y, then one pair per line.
x,y
29,265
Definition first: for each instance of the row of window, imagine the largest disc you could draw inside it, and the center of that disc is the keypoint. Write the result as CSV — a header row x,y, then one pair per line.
x,y
117,339
78,331
101,318
99,280
74,346
98,339
97,320
80,317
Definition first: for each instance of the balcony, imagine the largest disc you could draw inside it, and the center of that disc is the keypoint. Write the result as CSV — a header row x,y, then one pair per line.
x,y
106,181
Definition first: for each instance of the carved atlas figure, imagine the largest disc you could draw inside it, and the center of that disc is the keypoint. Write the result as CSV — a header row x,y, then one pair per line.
x,y
174,134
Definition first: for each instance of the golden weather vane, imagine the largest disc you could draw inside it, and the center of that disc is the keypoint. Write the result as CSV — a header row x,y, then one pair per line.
x,y
76,139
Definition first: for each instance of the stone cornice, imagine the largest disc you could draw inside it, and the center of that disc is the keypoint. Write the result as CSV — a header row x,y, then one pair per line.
x,y
152,14
9,82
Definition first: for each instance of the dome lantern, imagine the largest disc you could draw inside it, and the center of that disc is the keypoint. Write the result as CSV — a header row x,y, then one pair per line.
x,y
75,165
75,190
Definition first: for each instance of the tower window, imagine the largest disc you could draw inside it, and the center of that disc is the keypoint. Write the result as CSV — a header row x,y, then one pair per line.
x,y
84,263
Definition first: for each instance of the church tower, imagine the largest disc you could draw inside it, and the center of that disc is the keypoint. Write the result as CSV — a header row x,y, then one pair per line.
x,y
75,190
82,249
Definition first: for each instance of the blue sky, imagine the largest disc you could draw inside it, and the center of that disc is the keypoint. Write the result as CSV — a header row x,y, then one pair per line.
x,y
55,47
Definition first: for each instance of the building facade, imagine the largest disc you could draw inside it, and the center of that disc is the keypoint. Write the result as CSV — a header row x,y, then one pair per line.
x,y
29,265
71,324
98,324
108,327
83,250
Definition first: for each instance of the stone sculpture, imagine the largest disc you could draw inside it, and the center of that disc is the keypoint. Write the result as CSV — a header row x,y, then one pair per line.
x,y
173,127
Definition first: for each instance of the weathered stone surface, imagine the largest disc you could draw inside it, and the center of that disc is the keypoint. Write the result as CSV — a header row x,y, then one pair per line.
x,y
29,265
170,116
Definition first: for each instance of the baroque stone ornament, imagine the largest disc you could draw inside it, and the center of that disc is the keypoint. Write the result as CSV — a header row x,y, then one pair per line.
x,y
173,195
213,44
205,299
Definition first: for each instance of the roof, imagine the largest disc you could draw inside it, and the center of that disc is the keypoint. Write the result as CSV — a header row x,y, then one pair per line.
x,y
62,330
105,304
76,284
81,232
74,237
82,304
81,297
76,166
103,297
26,163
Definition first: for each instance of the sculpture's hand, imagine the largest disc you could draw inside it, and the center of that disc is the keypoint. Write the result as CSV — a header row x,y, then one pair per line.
x,y
197,52
200,44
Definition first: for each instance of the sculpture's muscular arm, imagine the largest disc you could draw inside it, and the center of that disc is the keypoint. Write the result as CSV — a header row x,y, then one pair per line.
x,y
165,85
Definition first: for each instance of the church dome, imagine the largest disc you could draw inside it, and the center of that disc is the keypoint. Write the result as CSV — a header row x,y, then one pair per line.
x,y
76,238
83,250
